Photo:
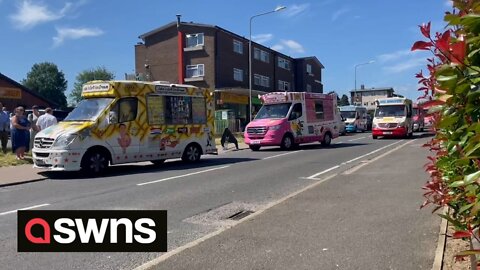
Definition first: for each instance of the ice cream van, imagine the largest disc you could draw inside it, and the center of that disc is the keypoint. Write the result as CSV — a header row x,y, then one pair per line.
x,y
393,117
355,118
287,119
129,121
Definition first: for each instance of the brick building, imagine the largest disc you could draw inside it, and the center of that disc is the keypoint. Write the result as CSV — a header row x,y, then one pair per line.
x,y
212,57
13,94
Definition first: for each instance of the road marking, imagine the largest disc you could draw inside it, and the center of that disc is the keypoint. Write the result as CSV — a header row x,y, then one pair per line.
x,y
349,161
26,208
357,139
183,175
279,155
356,168
194,243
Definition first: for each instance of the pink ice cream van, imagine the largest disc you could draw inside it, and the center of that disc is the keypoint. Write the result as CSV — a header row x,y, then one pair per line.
x,y
288,119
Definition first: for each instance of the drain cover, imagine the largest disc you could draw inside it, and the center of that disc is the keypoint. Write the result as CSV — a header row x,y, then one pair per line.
x,y
241,214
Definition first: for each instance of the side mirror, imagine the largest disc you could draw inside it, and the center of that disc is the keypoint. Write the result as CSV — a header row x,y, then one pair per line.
x,y
112,117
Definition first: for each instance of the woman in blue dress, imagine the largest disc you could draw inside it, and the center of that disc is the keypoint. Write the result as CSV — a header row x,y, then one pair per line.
x,y
20,133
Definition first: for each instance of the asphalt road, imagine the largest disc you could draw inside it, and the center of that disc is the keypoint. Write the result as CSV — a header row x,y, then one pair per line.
x,y
199,198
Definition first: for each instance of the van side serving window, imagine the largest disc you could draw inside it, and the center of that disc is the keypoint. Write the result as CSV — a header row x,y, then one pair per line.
x,y
174,110
319,110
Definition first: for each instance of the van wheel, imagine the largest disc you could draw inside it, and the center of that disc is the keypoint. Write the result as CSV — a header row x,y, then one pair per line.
x,y
254,147
158,162
191,153
327,139
374,137
287,142
94,162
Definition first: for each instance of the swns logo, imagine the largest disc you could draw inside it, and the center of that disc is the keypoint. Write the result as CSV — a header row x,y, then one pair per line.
x,y
92,231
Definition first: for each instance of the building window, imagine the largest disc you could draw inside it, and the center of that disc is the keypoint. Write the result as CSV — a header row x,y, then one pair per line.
x,y
238,46
284,63
309,88
309,69
261,80
193,71
261,55
283,85
238,74
194,40
319,109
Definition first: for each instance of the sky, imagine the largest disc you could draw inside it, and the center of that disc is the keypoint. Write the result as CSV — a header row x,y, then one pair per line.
x,y
85,34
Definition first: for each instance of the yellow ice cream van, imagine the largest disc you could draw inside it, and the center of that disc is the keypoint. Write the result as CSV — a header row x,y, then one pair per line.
x,y
129,121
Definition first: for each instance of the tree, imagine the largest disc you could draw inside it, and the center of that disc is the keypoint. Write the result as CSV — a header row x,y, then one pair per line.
x,y
344,101
99,73
46,80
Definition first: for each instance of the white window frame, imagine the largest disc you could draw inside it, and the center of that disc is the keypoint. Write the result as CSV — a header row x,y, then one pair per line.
x,y
200,70
197,37
261,55
309,69
238,74
238,46
284,63
283,85
261,80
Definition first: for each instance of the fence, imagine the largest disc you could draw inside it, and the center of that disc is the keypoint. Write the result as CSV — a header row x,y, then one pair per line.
x,y
233,124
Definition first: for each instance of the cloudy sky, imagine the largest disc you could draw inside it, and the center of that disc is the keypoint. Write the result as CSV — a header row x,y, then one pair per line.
x,y
84,34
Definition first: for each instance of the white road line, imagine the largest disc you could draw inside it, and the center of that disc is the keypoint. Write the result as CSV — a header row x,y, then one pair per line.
x,y
183,175
26,208
357,139
349,161
356,168
279,155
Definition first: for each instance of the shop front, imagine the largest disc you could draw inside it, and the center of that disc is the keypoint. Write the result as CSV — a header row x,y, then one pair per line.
x,y
232,109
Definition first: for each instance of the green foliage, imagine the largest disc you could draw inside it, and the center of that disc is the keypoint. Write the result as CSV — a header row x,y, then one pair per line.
x,y
454,79
344,101
99,73
46,80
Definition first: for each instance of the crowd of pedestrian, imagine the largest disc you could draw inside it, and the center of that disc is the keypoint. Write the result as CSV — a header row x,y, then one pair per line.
x,y
21,128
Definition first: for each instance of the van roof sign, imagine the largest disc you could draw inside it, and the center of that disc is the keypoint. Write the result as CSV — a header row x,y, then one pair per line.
x,y
168,89
96,87
391,101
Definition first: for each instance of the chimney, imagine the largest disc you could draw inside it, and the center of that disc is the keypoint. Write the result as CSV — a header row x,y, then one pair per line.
x,y
362,87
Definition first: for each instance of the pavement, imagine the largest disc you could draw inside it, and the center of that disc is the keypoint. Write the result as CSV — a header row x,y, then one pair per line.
x,y
295,233
15,175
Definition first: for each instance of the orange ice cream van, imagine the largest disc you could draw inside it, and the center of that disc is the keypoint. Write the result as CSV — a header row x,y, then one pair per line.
x,y
129,121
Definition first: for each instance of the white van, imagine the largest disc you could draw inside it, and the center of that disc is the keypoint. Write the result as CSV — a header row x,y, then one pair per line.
x,y
393,117
355,118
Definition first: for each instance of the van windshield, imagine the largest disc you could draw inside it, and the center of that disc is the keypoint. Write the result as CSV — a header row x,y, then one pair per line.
x,y
88,109
346,114
273,111
390,111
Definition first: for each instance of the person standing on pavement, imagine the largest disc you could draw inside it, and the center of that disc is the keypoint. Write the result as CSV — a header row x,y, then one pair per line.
x,y
20,133
32,118
4,128
47,119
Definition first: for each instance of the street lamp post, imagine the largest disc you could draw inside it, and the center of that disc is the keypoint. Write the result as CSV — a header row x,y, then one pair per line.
x,y
355,89
250,58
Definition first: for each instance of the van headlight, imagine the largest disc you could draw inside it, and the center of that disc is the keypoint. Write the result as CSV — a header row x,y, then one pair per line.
x,y
277,127
63,141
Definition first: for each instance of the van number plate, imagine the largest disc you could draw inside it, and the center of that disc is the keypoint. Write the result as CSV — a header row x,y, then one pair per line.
x,y
255,141
387,132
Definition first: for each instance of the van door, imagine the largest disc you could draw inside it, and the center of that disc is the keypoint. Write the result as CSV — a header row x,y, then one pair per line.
x,y
297,121
124,140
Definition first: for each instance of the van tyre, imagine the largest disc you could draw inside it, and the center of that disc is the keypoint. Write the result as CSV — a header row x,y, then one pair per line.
x,y
327,139
374,137
287,142
254,147
94,162
192,153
